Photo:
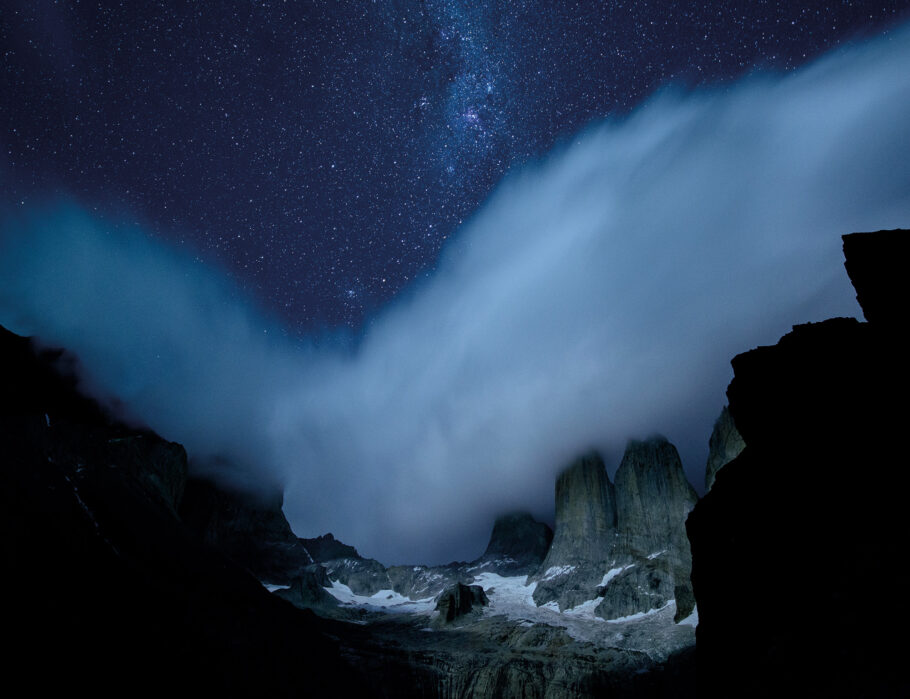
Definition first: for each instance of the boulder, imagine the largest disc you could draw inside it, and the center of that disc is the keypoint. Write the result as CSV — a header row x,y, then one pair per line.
x,y
460,600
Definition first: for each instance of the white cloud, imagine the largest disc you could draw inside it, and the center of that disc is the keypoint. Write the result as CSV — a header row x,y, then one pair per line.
x,y
597,295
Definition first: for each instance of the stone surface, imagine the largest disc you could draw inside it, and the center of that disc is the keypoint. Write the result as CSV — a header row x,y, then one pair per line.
x,y
584,536
250,528
653,499
327,548
308,590
460,600
725,444
585,514
518,542
635,529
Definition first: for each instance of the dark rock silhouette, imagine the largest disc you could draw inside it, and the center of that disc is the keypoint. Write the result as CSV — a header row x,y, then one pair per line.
x,y
107,590
250,528
794,543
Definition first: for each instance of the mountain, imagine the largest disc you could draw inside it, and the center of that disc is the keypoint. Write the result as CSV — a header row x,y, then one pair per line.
x,y
621,543
794,545
107,590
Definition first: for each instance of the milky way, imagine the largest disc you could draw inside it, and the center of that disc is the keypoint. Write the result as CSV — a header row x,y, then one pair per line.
x,y
323,152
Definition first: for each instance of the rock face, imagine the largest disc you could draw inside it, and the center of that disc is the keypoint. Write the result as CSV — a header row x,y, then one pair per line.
x,y
120,597
327,548
308,590
585,514
725,444
807,518
653,499
249,528
518,544
584,537
460,600
625,543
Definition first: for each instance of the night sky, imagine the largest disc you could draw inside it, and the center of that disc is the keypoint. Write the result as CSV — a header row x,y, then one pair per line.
x,y
323,152
409,260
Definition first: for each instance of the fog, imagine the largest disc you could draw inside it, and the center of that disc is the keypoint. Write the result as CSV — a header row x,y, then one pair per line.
x,y
598,295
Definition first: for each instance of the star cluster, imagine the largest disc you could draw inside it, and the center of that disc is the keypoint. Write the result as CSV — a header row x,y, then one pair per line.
x,y
323,152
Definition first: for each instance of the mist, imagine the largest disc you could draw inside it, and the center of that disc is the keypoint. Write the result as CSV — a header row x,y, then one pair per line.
x,y
598,295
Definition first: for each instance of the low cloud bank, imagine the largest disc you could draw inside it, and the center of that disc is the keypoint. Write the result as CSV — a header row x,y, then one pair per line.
x,y
598,295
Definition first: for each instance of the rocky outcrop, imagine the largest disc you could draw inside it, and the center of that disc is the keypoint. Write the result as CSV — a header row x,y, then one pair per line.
x,y
518,545
112,588
460,600
585,514
725,444
248,527
308,590
807,518
653,499
625,543
493,657
584,537
328,548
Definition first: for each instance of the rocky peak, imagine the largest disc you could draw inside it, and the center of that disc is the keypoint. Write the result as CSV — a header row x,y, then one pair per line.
x,y
653,498
327,548
518,540
625,543
585,514
725,444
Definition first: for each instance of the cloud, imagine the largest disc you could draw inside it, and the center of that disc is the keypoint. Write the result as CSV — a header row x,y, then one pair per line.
x,y
598,295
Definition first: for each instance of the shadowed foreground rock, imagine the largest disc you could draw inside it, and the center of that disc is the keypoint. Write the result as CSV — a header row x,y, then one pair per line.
x,y
111,595
793,546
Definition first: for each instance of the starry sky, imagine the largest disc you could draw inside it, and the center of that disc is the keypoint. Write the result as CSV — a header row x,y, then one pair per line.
x,y
322,152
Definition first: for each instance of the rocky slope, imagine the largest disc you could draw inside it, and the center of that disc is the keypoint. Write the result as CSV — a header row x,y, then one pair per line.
x,y
160,571
802,527
107,592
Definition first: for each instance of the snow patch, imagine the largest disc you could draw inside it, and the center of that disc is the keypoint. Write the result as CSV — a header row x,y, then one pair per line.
x,y
382,601
613,572
585,610
691,620
652,556
640,615
556,571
